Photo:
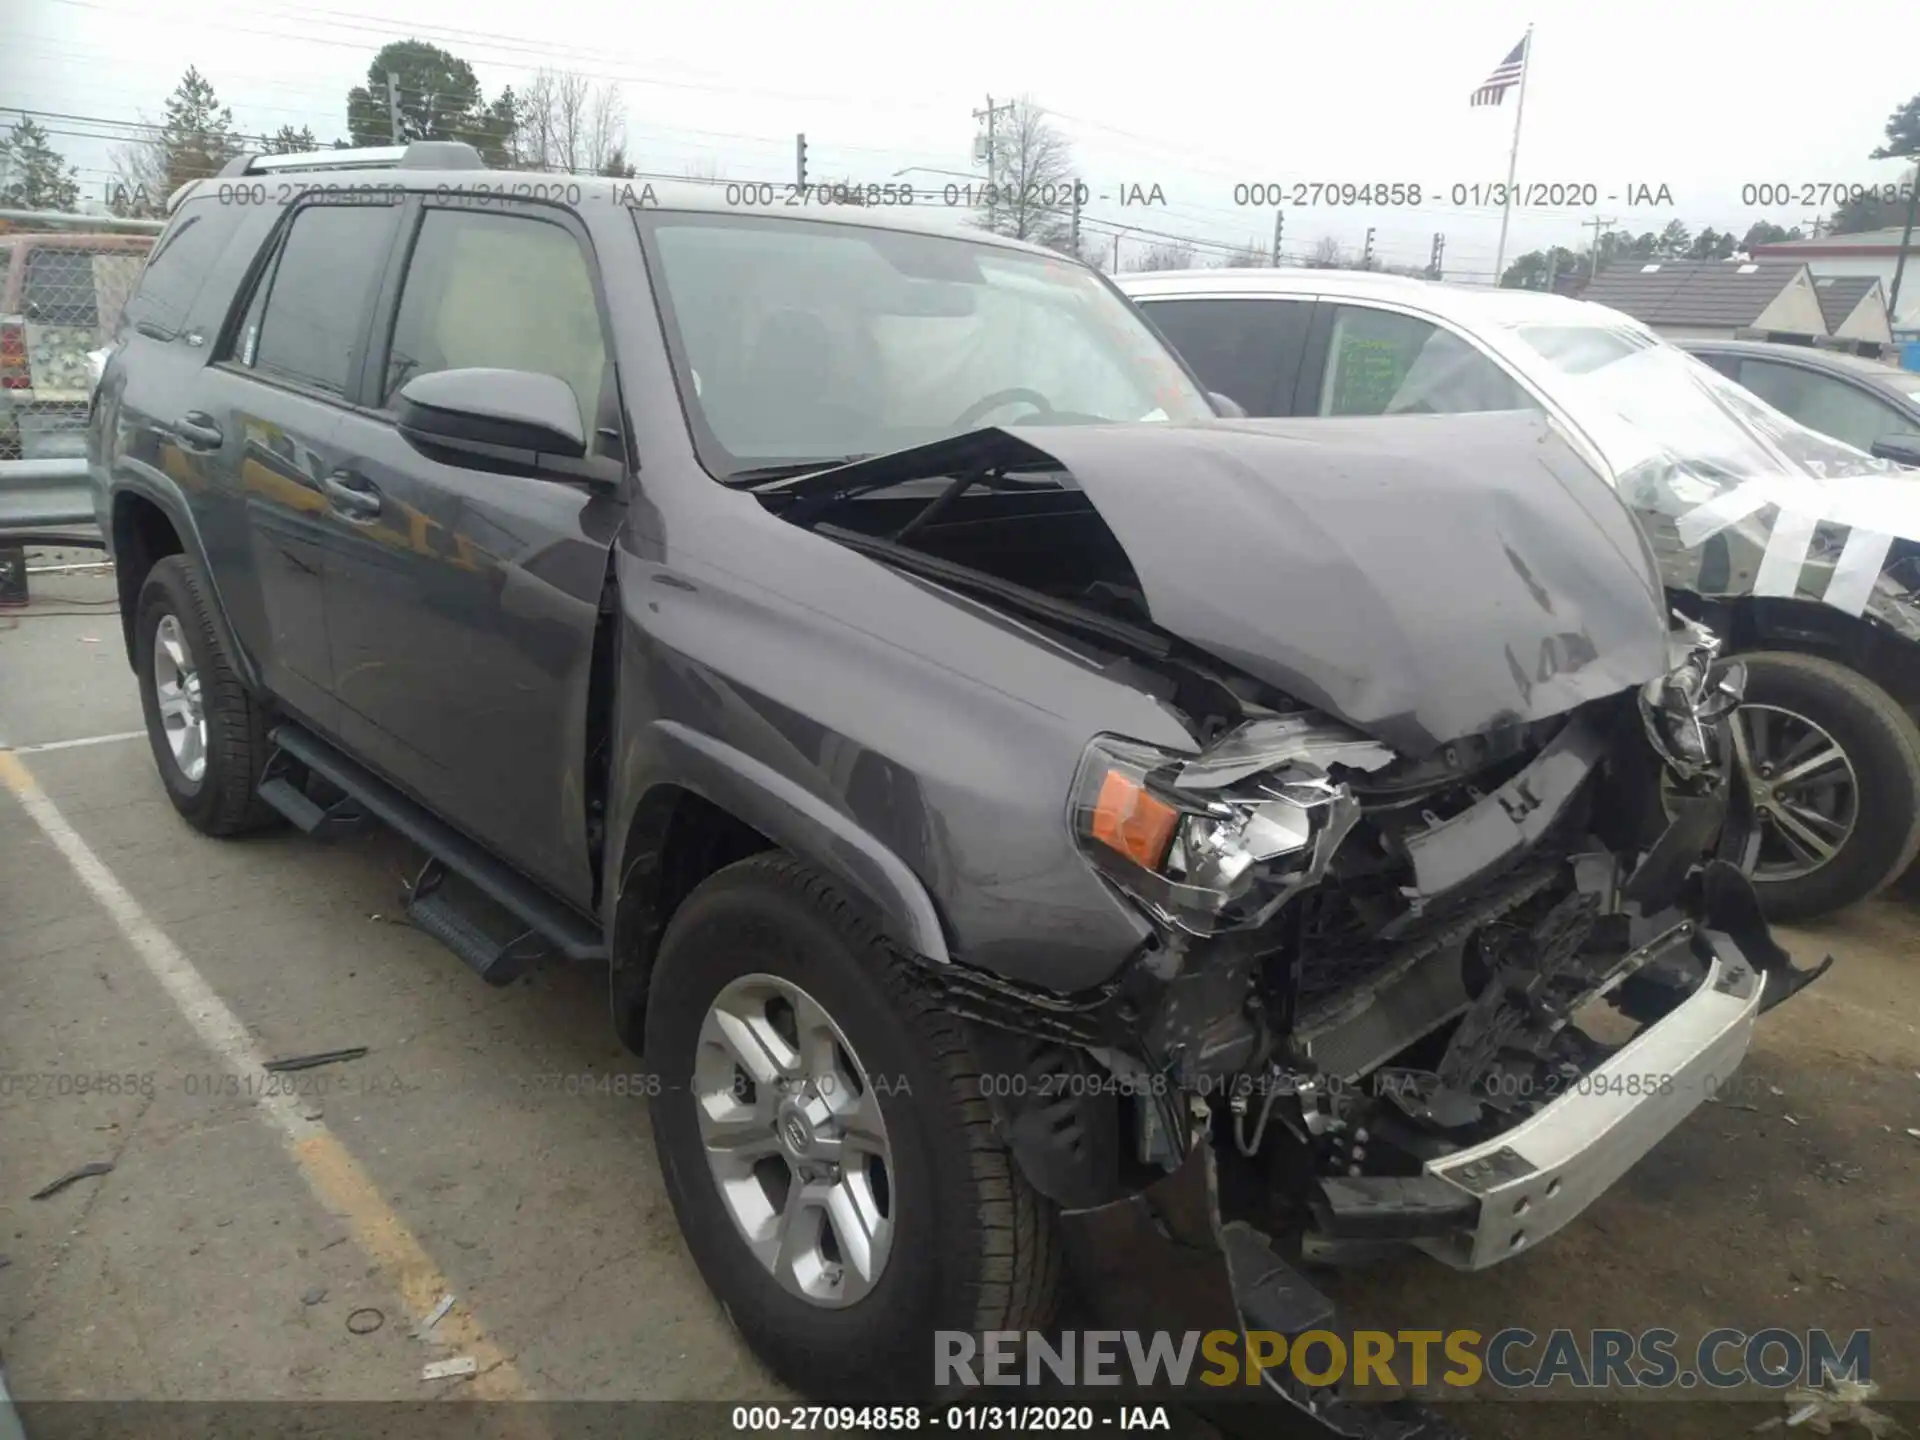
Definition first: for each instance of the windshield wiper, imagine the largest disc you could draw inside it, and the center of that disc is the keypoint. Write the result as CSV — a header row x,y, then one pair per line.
x,y
755,476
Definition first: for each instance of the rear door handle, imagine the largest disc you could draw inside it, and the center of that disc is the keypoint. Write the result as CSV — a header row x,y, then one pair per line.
x,y
196,431
351,494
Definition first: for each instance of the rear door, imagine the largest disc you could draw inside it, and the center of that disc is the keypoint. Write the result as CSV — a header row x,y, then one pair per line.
x,y
1247,349
270,409
462,602
1376,360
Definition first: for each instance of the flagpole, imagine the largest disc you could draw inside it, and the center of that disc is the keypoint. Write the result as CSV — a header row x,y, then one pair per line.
x,y
1513,157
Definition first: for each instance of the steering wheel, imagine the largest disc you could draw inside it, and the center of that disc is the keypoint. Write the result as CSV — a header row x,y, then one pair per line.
x,y
987,404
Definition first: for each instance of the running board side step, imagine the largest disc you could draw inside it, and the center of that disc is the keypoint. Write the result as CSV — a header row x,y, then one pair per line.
x,y
486,912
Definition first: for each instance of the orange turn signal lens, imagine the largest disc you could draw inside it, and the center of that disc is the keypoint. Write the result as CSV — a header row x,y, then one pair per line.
x,y
1127,819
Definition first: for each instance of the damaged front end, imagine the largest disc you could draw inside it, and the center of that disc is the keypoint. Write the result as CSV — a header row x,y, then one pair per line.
x,y
1390,1003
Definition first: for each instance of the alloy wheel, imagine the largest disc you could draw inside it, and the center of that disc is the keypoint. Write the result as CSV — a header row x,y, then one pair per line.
x,y
1806,797
795,1140
176,688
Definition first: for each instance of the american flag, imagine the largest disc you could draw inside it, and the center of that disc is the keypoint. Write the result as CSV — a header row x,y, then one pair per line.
x,y
1505,76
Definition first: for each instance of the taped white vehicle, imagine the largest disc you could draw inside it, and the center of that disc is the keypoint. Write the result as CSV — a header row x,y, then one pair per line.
x,y
1802,550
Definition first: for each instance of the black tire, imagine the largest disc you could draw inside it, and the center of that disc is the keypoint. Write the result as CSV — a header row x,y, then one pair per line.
x,y
974,1246
1883,746
224,800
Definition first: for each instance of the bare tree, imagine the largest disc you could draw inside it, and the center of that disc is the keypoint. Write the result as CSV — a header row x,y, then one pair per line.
x,y
1327,254
1250,256
1172,255
1032,179
706,169
564,122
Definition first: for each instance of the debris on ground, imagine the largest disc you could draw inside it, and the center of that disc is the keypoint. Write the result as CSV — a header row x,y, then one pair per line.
x,y
365,1320
308,1062
314,1296
437,1314
91,1168
1839,1402
447,1369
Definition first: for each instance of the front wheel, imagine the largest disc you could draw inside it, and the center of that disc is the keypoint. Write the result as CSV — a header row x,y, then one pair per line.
x,y
824,1139
1833,765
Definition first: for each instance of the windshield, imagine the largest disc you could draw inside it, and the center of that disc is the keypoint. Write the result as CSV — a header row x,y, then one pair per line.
x,y
800,341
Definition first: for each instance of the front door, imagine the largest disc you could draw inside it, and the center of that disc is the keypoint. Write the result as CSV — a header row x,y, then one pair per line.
x,y
462,602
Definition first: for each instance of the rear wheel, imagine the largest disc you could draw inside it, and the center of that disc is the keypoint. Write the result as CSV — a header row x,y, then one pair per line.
x,y
822,1132
1833,765
208,734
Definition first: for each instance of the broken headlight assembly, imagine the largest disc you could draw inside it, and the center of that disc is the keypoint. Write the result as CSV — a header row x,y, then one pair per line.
x,y
1683,709
1220,840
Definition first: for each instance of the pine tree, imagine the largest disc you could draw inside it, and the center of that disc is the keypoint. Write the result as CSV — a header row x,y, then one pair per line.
x,y
36,177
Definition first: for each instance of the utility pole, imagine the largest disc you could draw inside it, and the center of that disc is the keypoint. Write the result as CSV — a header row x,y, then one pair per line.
x,y
1433,261
1076,218
990,114
1366,254
800,159
393,106
1906,244
1279,220
1599,223
1553,266
1116,252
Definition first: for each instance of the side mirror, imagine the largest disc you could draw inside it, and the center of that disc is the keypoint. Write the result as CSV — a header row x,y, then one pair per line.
x,y
489,411
1226,405
1901,449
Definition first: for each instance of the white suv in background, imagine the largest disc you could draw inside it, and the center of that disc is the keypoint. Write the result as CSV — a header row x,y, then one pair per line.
x,y
1803,552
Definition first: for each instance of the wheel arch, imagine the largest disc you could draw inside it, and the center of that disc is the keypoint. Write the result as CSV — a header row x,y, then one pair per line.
x,y
1805,627
721,805
149,522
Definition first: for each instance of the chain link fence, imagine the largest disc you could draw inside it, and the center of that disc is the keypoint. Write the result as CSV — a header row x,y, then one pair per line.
x,y
64,279
61,293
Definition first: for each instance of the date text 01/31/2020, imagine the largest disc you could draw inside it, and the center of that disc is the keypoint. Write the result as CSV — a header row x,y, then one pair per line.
x,y
1548,195
1017,1419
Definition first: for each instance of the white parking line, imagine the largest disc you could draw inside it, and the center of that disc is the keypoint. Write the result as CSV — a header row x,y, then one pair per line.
x,y
75,744
330,1170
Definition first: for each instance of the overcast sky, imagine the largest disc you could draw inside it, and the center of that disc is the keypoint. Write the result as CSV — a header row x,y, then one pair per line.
x,y
1192,98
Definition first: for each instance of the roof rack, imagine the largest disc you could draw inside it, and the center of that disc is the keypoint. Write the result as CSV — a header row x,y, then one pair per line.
x,y
419,155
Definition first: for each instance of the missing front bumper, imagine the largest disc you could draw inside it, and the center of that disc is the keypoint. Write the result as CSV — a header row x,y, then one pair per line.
x,y
1533,1179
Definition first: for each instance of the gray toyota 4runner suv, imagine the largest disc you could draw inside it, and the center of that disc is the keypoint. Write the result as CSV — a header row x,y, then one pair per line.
x,y
1036,827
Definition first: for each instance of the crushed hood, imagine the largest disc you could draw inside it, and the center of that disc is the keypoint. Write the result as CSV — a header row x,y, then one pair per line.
x,y
1423,578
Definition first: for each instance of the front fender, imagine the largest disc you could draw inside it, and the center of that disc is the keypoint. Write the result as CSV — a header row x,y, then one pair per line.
x,y
794,819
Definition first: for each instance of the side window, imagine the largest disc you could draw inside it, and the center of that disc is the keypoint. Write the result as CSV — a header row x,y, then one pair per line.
x,y
1727,365
1248,350
498,291
179,264
1383,363
308,309
1822,403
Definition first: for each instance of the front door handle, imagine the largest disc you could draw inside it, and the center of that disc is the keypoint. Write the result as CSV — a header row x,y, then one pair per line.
x,y
196,431
351,494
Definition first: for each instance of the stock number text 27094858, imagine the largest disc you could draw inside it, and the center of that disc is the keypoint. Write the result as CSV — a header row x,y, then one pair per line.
x,y
760,194
1307,193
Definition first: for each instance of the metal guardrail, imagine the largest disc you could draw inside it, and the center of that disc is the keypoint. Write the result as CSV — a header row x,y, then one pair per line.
x,y
91,224
43,495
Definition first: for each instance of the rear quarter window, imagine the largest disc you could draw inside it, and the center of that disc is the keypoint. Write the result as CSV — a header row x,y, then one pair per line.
x,y
180,262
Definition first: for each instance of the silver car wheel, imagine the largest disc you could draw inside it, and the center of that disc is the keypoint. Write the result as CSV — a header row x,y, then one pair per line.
x,y
1806,797
795,1140
176,688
